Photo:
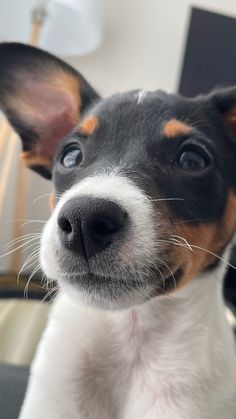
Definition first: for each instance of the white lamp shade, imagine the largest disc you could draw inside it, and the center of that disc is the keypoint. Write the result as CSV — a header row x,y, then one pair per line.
x,y
71,27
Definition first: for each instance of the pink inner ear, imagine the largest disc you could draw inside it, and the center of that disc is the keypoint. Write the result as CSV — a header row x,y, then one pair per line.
x,y
56,127
52,110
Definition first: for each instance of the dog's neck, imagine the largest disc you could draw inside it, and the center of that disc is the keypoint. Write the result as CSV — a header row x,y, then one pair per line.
x,y
191,316
171,347
179,344
185,327
163,356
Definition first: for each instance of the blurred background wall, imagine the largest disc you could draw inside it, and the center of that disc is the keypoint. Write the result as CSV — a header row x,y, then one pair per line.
x,y
143,47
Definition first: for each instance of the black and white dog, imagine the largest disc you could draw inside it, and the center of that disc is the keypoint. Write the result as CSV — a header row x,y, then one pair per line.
x,y
144,216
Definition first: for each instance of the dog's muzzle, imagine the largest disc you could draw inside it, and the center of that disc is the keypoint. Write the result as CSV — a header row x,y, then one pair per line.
x,y
100,243
88,226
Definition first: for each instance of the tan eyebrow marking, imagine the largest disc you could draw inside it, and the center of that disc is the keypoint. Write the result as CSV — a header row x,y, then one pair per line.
x,y
174,128
230,121
89,125
31,159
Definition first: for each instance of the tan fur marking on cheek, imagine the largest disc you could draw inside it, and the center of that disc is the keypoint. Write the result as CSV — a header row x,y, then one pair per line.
x,y
203,237
230,121
52,201
89,125
229,219
175,128
31,159
230,116
212,237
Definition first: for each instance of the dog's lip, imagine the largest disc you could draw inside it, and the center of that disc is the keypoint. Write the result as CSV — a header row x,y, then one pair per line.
x,y
169,281
92,276
87,274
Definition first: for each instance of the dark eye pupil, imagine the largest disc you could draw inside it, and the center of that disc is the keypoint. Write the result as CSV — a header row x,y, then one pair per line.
x,y
71,157
192,160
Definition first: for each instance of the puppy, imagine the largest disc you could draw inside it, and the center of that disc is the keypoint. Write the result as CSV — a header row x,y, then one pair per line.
x,y
138,242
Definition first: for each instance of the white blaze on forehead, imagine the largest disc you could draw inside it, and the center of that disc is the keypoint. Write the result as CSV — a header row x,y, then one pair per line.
x,y
141,96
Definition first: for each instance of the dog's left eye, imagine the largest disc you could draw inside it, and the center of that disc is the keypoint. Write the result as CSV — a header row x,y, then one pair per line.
x,y
71,157
192,159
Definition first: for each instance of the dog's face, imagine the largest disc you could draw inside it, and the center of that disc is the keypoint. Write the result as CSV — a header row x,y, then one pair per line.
x,y
144,182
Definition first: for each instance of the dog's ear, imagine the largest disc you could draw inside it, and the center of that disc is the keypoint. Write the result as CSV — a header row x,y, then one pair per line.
x,y
224,100
43,99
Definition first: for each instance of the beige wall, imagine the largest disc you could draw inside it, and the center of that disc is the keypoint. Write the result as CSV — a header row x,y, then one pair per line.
x,y
143,44
143,47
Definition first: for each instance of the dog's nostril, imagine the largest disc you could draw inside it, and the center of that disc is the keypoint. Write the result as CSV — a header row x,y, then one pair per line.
x,y
65,225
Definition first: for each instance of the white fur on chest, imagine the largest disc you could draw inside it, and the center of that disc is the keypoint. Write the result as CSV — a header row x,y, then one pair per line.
x,y
169,358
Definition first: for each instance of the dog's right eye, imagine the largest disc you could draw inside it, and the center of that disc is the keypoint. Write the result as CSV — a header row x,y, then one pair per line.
x,y
71,157
192,159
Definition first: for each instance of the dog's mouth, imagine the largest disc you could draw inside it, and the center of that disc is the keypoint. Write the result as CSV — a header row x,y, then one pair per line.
x,y
114,287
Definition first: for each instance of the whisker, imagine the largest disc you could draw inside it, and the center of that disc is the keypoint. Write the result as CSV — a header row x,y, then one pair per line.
x,y
26,290
40,197
55,290
184,240
215,255
165,199
29,262
29,247
192,220
17,248
170,271
21,238
33,221
193,246
26,221
23,242
44,196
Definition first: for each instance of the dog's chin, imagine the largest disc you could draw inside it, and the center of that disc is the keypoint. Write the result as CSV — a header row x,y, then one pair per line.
x,y
103,292
111,293
112,288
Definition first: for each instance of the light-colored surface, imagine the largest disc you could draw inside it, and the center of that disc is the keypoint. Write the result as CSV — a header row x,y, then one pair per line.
x,y
143,43
21,326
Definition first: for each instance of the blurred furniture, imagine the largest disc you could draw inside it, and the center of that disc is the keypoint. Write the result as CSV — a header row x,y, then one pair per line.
x,y
21,325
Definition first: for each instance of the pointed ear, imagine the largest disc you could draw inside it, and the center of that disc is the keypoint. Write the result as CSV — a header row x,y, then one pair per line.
x,y
224,100
43,99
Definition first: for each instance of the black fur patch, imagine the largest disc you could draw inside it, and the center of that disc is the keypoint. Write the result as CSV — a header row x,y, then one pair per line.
x,y
130,137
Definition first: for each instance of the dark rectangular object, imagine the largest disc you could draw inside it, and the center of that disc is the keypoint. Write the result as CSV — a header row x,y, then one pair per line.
x,y
13,381
210,55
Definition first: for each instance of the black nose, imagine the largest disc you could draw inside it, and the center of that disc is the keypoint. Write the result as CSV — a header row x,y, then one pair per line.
x,y
89,225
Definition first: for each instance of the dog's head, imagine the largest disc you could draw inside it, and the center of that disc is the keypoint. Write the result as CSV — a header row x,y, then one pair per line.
x,y
144,182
